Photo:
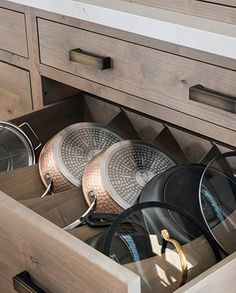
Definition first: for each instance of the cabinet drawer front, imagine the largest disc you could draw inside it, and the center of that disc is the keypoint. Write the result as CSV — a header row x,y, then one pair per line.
x,y
15,92
13,32
153,75
57,261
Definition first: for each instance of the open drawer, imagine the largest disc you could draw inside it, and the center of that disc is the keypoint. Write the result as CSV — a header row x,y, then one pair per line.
x,y
57,261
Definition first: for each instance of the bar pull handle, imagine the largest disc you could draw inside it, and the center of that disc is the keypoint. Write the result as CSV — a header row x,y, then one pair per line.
x,y
200,94
22,283
183,261
89,59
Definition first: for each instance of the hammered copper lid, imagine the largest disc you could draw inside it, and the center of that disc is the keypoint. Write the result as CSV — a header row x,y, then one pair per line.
x,y
127,166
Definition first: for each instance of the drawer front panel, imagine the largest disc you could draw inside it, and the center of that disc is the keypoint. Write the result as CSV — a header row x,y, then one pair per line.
x,y
144,72
13,32
15,92
56,260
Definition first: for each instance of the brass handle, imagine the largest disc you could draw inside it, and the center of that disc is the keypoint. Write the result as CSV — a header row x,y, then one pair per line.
x,y
166,238
200,94
22,283
89,59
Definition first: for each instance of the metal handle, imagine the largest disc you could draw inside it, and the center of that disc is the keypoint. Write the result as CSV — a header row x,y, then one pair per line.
x,y
89,59
49,182
22,283
200,94
82,219
33,132
166,238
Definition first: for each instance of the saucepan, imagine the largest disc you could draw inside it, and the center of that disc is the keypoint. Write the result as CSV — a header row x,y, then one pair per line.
x,y
16,148
113,179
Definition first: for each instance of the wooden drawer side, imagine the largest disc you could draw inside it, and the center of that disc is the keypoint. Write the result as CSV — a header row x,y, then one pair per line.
x,y
57,261
220,278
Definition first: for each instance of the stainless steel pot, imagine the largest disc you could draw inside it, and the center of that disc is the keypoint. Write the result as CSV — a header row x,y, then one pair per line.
x,y
65,156
16,149
117,175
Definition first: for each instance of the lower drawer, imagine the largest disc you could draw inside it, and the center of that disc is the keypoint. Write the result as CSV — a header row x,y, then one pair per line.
x,y
15,92
57,261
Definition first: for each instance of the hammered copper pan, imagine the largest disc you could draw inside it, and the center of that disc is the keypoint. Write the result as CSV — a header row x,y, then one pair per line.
x,y
117,175
92,183
65,156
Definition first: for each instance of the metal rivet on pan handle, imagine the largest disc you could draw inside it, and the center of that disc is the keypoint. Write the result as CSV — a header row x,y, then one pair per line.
x,y
49,182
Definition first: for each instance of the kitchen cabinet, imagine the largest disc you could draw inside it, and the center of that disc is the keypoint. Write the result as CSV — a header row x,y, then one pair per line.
x,y
149,77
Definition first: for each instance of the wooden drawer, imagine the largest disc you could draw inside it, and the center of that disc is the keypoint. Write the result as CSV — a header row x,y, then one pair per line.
x,y
223,2
15,91
57,261
13,32
160,77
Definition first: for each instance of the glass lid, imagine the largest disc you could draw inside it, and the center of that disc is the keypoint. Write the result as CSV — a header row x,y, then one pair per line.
x,y
139,240
217,197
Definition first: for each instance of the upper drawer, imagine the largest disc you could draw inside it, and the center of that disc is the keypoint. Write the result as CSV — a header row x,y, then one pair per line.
x,y
150,74
13,32
15,91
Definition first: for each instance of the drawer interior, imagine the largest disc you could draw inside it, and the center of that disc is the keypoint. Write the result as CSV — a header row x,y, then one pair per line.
x,y
67,206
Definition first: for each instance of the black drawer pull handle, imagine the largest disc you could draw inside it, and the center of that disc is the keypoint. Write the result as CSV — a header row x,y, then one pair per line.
x,y
23,284
200,94
89,59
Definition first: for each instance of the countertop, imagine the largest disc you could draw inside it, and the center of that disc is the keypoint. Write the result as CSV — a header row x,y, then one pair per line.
x,y
190,31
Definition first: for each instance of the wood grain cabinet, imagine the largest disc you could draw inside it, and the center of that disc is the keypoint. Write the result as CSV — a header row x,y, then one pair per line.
x,y
158,77
15,91
131,72
13,32
15,84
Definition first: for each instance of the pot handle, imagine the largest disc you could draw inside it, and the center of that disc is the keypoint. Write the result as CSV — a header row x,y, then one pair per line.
x,y
22,283
82,219
33,132
166,238
49,182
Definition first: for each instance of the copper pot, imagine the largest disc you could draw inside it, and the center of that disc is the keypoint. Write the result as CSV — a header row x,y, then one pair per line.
x,y
117,175
65,156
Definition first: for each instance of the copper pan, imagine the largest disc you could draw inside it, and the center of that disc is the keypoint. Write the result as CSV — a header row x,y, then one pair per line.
x,y
65,156
117,175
